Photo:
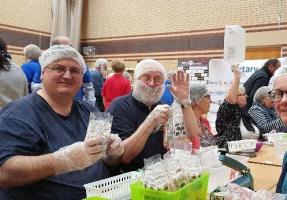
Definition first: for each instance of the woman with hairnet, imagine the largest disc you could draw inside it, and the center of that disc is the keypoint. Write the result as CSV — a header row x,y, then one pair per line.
x,y
233,122
263,113
200,103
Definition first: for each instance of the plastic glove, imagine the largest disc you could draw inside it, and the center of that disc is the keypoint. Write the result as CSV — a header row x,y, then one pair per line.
x,y
115,147
159,115
79,155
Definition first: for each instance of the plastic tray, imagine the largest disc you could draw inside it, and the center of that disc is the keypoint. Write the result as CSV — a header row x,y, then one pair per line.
x,y
272,137
114,188
241,145
195,190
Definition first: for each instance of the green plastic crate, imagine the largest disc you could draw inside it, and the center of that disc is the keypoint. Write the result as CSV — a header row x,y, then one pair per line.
x,y
196,190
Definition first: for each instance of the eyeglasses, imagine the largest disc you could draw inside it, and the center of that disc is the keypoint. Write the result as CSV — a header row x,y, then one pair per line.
x,y
59,70
157,80
276,94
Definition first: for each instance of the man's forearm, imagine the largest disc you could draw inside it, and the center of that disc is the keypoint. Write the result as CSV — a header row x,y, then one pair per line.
x,y
21,170
136,142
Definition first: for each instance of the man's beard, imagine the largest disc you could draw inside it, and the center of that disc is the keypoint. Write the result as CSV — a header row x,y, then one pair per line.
x,y
146,94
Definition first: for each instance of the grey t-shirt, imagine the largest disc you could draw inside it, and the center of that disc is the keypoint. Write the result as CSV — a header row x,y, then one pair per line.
x,y
13,84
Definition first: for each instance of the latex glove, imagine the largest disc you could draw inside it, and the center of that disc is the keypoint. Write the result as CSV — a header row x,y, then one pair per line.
x,y
80,155
159,115
115,146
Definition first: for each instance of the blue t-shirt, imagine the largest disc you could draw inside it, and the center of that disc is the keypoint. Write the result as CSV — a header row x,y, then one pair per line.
x,y
128,114
29,126
86,79
32,71
98,81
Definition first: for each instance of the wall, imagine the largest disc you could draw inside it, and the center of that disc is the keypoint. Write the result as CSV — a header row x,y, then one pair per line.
x,y
171,30
25,22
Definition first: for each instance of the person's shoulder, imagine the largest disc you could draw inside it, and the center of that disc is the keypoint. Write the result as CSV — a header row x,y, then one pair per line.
x,y
120,102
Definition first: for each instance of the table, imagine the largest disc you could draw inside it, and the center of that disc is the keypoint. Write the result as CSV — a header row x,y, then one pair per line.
x,y
265,168
265,176
266,156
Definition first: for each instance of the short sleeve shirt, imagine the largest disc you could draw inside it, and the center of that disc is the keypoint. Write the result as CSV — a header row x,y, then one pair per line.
x,y
30,127
128,114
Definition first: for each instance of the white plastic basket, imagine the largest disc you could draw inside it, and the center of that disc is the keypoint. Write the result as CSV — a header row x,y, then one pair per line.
x,y
114,188
241,145
272,137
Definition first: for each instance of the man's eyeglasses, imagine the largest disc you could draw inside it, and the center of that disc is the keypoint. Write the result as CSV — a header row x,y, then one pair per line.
x,y
59,70
157,80
276,94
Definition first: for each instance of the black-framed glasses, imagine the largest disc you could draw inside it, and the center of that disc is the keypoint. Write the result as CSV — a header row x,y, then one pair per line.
x,y
60,70
276,94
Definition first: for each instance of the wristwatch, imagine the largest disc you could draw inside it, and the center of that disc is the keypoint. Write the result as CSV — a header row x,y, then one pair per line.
x,y
185,105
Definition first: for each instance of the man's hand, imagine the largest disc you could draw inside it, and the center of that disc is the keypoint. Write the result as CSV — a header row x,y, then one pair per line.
x,y
80,155
159,115
115,146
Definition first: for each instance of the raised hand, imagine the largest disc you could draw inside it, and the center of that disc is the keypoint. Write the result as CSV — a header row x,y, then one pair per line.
x,y
180,86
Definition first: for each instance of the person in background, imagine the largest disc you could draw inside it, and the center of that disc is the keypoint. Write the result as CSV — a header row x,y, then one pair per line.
x,y
45,152
167,97
117,85
233,121
260,78
278,93
86,92
32,68
127,76
200,100
138,117
97,79
263,112
13,83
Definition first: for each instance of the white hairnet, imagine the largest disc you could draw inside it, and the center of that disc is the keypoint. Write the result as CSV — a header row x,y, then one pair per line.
x,y
149,65
280,71
57,52
261,93
197,92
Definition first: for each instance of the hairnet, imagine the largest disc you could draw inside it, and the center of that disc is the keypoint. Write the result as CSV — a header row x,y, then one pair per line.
x,y
57,52
197,92
261,93
149,65
280,71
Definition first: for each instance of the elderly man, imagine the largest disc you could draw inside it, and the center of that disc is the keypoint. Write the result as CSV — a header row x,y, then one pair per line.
x,y
278,93
86,92
44,151
97,78
139,115
32,68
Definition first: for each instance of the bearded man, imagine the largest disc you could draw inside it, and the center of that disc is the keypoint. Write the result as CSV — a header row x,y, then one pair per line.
x,y
137,117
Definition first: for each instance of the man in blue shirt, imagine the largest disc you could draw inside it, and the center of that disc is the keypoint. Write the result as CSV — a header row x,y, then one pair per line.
x,y
44,151
138,118
32,68
97,79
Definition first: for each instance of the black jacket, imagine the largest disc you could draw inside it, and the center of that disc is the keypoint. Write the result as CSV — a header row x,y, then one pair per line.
x,y
260,78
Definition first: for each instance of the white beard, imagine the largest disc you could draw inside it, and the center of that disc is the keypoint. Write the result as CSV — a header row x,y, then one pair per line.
x,y
145,94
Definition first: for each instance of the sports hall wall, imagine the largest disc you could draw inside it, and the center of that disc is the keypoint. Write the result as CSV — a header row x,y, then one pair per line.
x,y
25,22
164,30
191,29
